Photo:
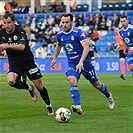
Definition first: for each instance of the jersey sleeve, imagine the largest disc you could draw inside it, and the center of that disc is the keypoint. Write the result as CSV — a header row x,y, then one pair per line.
x,y
81,35
22,36
57,39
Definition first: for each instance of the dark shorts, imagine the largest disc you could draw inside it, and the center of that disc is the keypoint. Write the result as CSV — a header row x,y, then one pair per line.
x,y
30,69
121,54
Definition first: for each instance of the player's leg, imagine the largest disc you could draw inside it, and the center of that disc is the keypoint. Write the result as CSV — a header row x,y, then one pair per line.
x,y
14,81
122,67
35,76
122,64
130,63
92,77
24,78
73,77
44,94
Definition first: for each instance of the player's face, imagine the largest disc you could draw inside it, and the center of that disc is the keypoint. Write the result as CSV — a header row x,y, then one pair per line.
x,y
66,23
9,25
117,31
124,22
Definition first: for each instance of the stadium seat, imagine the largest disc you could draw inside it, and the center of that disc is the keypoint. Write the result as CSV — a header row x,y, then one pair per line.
x,y
19,9
79,7
110,6
85,7
130,6
104,6
123,6
116,6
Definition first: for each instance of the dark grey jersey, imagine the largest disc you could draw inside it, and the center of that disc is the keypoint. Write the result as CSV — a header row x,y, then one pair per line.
x,y
17,37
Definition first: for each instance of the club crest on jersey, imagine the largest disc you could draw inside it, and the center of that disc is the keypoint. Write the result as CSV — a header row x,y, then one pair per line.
x,y
69,47
127,40
72,37
15,37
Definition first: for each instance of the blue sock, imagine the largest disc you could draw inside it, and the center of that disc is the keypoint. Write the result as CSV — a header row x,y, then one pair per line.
x,y
132,74
75,95
105,91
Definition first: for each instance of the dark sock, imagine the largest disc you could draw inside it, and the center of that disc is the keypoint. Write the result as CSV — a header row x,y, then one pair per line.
x,y
45,96
20,85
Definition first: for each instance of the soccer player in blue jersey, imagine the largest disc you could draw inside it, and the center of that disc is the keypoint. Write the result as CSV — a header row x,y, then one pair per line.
x,y
127,34
76,47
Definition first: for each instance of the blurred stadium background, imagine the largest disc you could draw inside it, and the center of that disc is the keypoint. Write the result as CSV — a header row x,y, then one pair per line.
x,y
85,7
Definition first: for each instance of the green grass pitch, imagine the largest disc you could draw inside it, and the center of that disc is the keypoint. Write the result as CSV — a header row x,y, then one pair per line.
x,y
18,114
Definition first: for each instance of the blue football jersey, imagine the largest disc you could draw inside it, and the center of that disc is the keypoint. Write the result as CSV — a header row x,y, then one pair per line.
x,y
71,43
127,35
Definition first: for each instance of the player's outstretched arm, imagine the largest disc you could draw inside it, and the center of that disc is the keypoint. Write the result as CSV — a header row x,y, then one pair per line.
x,y
57,51
18,47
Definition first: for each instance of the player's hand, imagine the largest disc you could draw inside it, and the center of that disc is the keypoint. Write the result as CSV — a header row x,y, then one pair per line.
x,y
79,67
53,62
125,51
3,46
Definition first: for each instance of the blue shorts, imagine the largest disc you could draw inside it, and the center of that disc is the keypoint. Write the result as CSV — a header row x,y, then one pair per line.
x,y
130,59
88,72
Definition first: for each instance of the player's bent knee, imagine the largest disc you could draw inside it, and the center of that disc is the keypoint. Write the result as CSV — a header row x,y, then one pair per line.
x,y
131,68
11,82
72,81
97,85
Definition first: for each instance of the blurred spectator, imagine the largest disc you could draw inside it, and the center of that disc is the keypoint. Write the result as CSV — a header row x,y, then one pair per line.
x,y
48,40
30,10
50,20
91,21
40,52
59,7
108,24
73,7
103,17
8,7
96,24
27,27
95,35
80,20
89,34
43,26
103,25
115,21
56,29
40,9
115,48
53,40
35,18
49,30
57,19
14,6
32,26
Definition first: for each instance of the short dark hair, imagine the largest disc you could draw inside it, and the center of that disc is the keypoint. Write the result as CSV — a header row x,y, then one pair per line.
x,y
67,15
10,15
123,16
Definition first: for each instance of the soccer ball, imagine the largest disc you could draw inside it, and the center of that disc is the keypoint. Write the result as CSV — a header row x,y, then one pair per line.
x,y
62,115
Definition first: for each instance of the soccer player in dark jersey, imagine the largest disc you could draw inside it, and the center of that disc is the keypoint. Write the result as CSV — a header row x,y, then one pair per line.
x,y
14,41
127,34
76,47
92,51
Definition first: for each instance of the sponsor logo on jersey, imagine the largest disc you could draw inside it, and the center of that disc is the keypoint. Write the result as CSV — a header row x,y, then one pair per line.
x,y
127,40
15,37
69,47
